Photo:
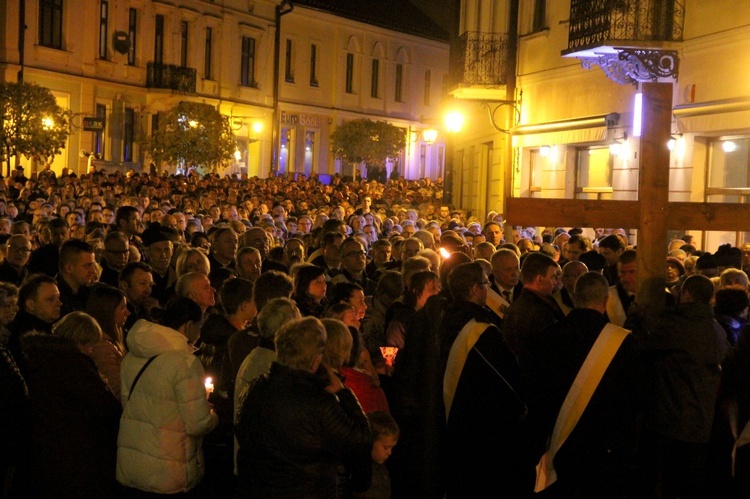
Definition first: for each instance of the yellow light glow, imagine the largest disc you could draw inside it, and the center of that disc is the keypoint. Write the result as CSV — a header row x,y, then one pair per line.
x,y
729,146
193,123
430,135
47,123
237,155
544,151
257,127
454,121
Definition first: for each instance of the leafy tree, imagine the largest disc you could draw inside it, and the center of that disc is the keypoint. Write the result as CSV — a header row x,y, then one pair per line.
x,y
32,124
366,140
191,133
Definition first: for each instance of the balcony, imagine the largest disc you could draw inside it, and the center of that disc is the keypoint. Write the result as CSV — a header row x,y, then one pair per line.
x,y
479,65
170,77
631,40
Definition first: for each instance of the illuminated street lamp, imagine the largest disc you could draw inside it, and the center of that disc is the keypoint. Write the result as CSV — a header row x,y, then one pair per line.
x,y
47,123
454,122
430,135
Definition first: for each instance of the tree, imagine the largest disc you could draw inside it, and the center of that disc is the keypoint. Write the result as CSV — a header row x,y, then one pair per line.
x,y
32,124
366,140
191,133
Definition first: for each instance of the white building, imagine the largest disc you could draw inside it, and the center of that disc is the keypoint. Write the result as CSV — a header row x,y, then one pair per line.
x,y
128,60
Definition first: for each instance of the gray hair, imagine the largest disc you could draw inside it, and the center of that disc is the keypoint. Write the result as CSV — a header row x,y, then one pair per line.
x,y
275,314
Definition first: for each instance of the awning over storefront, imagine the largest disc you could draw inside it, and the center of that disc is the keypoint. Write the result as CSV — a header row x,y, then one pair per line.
x,y
714,117
573,131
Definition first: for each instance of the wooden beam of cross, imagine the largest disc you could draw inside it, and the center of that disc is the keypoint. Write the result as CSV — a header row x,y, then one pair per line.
x,y
652,214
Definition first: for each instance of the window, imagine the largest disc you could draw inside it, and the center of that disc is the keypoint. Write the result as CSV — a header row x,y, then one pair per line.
x,y
247,65
101,112
594,173
427,83
103,18
375,82
128,135
184,44
132,31
540,16
159,39
289,68
50,23
729,166
313,65
207,56
399,83
349,73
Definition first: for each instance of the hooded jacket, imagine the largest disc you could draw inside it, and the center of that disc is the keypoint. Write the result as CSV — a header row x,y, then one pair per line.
x,y
165,418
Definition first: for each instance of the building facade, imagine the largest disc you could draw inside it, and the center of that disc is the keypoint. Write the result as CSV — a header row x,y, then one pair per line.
x,y
573,131
128,60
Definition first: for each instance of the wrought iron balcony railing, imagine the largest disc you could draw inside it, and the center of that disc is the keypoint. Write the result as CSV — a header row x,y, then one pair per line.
x,y
171,77
480,59
601,22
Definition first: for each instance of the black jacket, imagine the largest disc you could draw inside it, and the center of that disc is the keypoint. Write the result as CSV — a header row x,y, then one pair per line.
x,y
293,435
598,458
22,324
11,275
75,419
14,432
215,334
485,423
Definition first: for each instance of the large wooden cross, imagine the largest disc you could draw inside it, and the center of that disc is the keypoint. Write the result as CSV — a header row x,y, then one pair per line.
x,y
652,214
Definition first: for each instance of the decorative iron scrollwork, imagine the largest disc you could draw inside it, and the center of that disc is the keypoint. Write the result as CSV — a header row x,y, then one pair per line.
x,y
632,65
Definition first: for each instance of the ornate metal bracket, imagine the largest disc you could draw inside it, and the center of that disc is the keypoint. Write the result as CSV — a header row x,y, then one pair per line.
x,y
493,107
634,65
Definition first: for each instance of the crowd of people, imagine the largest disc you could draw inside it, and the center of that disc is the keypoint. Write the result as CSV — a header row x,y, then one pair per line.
x,y
281,337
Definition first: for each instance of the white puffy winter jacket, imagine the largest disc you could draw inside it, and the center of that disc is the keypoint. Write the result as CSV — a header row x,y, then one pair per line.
x,y
162,425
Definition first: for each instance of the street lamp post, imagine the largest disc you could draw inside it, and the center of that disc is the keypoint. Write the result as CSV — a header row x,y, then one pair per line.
x,y
454,122
284,8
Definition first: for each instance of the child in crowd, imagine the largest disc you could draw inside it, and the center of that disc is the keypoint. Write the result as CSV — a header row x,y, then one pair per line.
x,y
385,433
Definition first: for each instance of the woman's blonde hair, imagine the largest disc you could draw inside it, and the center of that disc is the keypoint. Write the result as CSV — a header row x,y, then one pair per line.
x,y
338,343
79,327
181,265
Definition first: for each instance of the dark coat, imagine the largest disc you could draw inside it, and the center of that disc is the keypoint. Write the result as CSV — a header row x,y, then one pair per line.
x,y
598,458
14,431
109,275
75,419
239,346
215,334
527,317
71,302
45,260
417,467
485,425
11,275
293,435
22,324
683,352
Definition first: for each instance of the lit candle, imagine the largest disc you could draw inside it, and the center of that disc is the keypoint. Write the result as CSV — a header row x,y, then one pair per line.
x,y
209,386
